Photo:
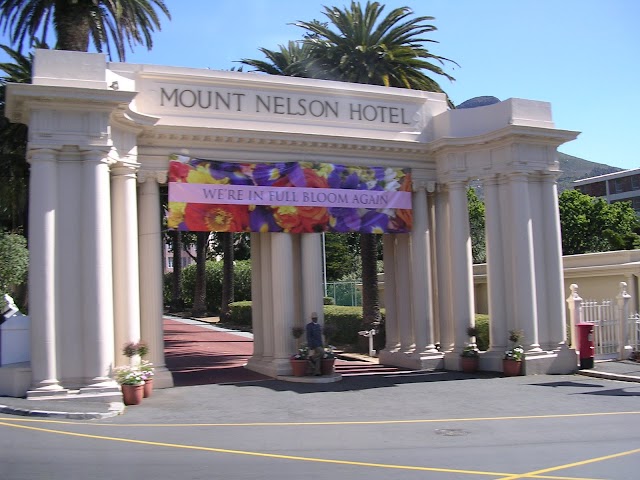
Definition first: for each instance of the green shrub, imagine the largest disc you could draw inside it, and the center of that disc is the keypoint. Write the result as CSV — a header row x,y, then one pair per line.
x,y
242,283
482,337
328,301
346,322
241,313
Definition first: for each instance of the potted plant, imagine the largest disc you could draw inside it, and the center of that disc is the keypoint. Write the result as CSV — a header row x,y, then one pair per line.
x,y
300,362
140,349
131,380
470,355
147,370
512,361
328,360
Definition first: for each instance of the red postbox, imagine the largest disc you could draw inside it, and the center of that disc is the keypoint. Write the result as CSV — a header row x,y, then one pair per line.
x,y
585,344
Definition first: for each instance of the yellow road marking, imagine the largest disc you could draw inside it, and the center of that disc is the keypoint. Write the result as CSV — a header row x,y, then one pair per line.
x,y
571,465
297,424
286,457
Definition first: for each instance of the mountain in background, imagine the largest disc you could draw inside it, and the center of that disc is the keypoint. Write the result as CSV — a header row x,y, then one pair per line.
x,y
573,168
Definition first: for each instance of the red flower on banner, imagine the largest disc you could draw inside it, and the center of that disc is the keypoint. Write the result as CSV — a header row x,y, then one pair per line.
x,y
178,171
312,179
301,219
200,217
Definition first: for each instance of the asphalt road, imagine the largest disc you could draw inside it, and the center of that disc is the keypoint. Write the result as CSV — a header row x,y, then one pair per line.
x,y
417,426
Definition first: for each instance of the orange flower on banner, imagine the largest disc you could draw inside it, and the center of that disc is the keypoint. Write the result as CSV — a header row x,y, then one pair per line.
x,y
301,219
200,217
403,220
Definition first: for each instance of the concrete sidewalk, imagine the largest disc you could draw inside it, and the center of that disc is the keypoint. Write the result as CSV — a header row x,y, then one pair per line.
x,y
199,353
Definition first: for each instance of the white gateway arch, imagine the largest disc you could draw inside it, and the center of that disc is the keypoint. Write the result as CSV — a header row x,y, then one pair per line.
x,y
100,137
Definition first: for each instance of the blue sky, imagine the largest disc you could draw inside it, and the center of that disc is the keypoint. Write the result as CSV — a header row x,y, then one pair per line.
x,y
580,55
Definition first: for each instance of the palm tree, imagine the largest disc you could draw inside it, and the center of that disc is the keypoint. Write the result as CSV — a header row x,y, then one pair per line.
x,y
14,176
227,274
107,23
363,47
288,61
200,293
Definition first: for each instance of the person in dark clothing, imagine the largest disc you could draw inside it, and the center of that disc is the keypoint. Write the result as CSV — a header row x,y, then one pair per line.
x,y
314,342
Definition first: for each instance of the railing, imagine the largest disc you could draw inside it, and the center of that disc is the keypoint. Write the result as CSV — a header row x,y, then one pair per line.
x,y
344,293
633,329
616,332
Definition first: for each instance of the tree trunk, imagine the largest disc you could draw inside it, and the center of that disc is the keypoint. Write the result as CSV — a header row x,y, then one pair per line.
x,y
200,293
177,303
227,275
71,21
370,297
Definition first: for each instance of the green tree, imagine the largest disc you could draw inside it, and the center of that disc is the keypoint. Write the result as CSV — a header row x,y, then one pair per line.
x,y
476,226
591,224
14,176
108,24
14,262
362,46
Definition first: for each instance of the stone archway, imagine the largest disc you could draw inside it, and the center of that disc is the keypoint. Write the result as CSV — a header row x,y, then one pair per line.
x,y
100,135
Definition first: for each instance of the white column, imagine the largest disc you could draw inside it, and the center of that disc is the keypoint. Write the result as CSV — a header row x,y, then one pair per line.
x,y
554,279
523,280
421,300
461,264
126,279
495,267
312,293
256,299
150,254
443,266
283,306
97,272
266,284
403,292
42,272
391,319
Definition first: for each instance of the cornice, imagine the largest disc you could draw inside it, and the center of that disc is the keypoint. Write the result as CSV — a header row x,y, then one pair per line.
x,y
402,152
20,96
505,135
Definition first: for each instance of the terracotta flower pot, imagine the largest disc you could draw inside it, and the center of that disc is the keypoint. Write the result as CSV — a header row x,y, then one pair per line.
x,y
298,367
148,387
469,364
132,394
327,366
511,368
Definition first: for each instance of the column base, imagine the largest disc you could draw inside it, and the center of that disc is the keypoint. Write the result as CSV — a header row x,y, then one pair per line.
x,y
99,386
491,360
162,378
47,388
271,367
563,360
411,360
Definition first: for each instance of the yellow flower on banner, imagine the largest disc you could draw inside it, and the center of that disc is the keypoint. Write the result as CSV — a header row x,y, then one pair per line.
x,y
201,174
176,214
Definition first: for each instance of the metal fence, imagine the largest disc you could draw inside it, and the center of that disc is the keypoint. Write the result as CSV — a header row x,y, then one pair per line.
x,y
345,293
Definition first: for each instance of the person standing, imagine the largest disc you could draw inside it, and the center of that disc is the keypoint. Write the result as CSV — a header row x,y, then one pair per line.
x,y
314,342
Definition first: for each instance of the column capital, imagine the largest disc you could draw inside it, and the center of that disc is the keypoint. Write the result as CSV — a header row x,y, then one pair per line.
x,y
421,184
36,155
99,155
123,169
160,176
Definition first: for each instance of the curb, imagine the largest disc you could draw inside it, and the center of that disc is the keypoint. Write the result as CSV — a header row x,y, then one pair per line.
x,y
115,409
608,376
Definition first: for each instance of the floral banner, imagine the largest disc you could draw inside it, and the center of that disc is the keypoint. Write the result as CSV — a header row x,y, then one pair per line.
x,y
294,197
